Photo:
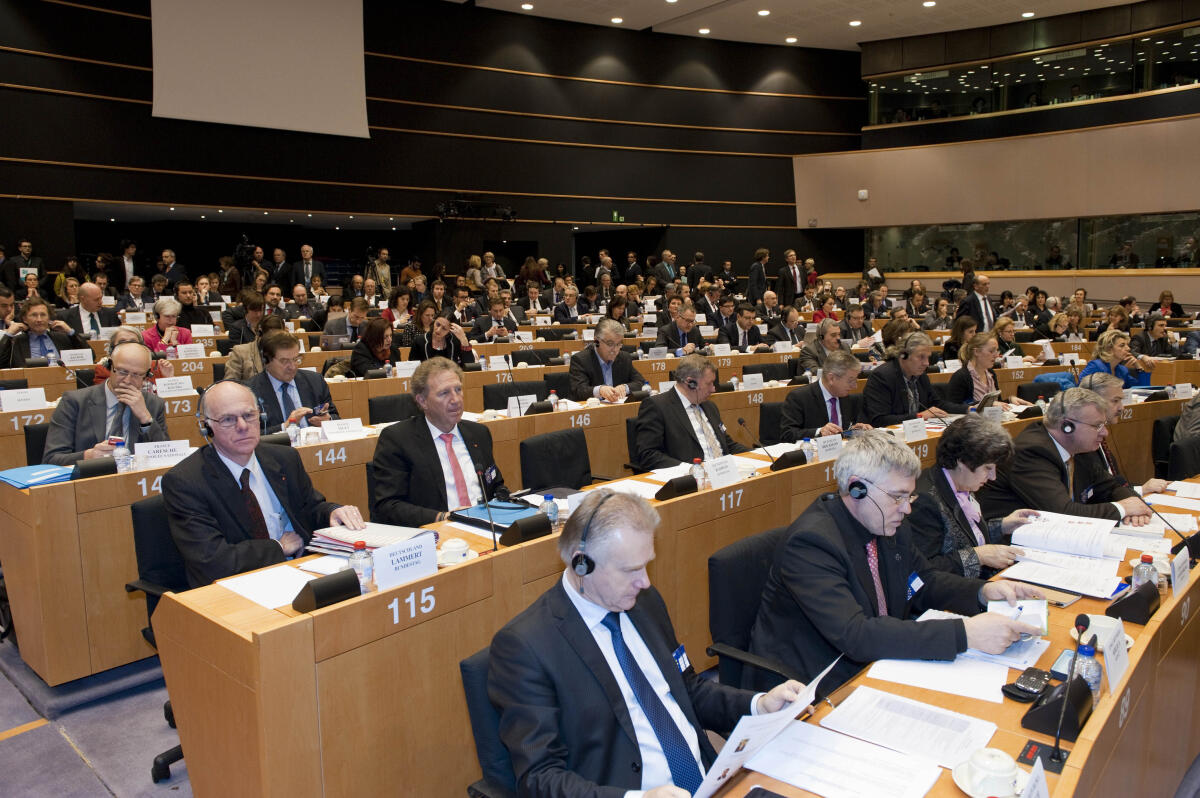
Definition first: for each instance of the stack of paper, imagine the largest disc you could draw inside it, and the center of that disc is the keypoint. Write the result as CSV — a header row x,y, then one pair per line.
x,y
341,539
1020,655
1069,553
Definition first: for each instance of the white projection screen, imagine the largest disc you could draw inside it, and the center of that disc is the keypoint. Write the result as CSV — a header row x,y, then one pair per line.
x,y
283,64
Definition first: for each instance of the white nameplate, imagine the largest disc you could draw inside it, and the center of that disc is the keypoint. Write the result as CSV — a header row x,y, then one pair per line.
x,y
1069,358
782,346
77,357
1179,573
405,368
648,305
107,301
541,321
752,382
106,333
663,387
810,328
174,386
828,447
1183,390
1036,787
589,335
701,318
226,298
1116,656
497,362
525,335
722,349
707,331
190,350
723,471
342,429
22,399
658,352
652,318
649,331
993,413
1014,362
203,330
215,315
951,366
159,454
135,318
914,430
517,405
405,561
1047,352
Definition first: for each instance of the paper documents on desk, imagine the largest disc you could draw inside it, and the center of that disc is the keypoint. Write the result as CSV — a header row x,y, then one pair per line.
x,y
634,487
341,539
1088,583
1021,654
910,727
965,676
1069,534
835,766
752,733
1184,522
329,564
664,475
270,587
1174,501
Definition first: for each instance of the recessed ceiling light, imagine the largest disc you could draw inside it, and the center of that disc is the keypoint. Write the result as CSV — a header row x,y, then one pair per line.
x,y
704,31
112,220
220,211
336,227
617,20
393,228
310,216
266,213
790,40
765,12
1027,14
351,217
669,1
854,23
172,209
527,6
202,216
929,3
292,220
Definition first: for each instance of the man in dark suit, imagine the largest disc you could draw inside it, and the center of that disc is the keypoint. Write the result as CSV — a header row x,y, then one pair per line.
x,y
602,369
743,334
681,337
698,272
1048,470
769,310
756,282
463,313
1112,389
496,323
899,390
844,583
709,305
790,283
85,419
788,329
429,465
89,317
244,330
352,323
513,313
135,298
285,393
569,310
828,340
189,314
665,271
977,305
595,694
304,269
1153,340
726,316
35,335
305,311
24,259
234,505
854,326
826,406
172,269
533,303
680,425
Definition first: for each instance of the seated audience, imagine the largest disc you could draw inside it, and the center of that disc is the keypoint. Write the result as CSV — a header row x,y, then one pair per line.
x,y
166,334
977,377
602,370
284,392
743,336
349,325
899,389
828,406
1114,357
494,325
446,339
828,341
964,327
789,328
1153,340
245,360
375,348
1111,389
681,336
89,317
681,425
160,367
36,336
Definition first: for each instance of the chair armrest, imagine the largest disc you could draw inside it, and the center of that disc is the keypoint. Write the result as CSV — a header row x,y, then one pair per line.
x,y
753,660
149,588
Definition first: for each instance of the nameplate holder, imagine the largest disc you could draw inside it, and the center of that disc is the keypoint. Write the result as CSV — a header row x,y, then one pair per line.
x,y
175,386
589,335
1180,572
541,321
107,301
915,430
1136,606
810,328
1116,656
701,318
162,454
531,527
1183,390
752,382
789,460
828,447
190,350
782,346
721,349
993,413
203,330
676,487
497,362
666,385
77,357
405,368
952,365
1043,715
652,319
517,405
22,399
1014,362
342,429
135,318
723,471
96,467
326,590
415,558
707,331
524,336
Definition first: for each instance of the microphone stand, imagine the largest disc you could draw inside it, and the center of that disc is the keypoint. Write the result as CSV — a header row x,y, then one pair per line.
x,y
754,438
487,506
1059,756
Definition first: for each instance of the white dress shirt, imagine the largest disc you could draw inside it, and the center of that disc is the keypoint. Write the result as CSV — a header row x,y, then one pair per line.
x,y
294,394
464,462
826,395
276,517
701,438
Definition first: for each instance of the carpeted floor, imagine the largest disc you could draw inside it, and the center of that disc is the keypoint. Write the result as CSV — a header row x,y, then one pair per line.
x,y
101,749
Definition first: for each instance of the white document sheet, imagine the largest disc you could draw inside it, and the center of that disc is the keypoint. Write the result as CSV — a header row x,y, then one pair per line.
x,y
1187,490
664,475
1021,654
329,564
1081,565
634,487
1069,534
480,532
972,678
835,766
910,727
1174,501
374,534
271,588
1063,579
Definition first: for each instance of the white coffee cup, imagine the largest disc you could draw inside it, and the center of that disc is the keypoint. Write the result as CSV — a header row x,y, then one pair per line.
x,y
454,550
990,771
593,402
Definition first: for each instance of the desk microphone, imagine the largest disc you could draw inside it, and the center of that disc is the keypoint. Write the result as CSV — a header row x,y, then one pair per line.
x,y
262,416
939,418
1082,622
753,437
512,377
1191,542
487,506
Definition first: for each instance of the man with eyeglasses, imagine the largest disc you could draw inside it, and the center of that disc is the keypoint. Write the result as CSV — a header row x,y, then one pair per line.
x,y
1047,471
602,370
287,394
85,420
681,335
849,580
235,505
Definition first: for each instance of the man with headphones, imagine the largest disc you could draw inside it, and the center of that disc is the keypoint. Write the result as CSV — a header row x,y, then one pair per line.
x,y
86,419
596,696
1047,472
1104,459
849,579
236,505
681,424
899,390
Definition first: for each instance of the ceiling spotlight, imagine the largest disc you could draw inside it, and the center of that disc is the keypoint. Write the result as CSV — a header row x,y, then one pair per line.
x,y
790,40
310,216
266,213
764,12
669,1
617,20
292,221
393,228
220,211
336,227
112,220
1027,14
704,31
854,23
351,217
527,6
202,216
929,3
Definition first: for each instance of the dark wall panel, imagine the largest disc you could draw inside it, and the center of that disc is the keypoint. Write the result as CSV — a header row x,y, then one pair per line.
x,y
48,225
1056,31
1156,13
882,56
1102,23
966,45
922,50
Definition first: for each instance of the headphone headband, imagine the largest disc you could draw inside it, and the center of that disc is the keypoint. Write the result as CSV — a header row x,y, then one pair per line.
x,y
582,563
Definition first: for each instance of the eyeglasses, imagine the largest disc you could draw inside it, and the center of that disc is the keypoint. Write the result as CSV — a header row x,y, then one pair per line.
x,y
122,374
1096,427
290,361
250,417
898,498
611,344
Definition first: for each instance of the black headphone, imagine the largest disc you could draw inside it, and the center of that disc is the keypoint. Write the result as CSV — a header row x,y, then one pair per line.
x,y
691,384
1067,425
581,563
857,489
202,420
107,361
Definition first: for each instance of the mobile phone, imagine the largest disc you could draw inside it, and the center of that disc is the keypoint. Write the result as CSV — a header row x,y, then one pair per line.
x,y
115,440
762,792
1033,680
1059,669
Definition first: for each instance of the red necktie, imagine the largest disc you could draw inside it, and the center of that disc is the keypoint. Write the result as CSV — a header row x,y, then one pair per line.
x,y
258,522
873,564
460,481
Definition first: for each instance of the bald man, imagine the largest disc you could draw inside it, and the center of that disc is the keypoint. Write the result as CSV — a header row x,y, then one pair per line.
x,y
88,318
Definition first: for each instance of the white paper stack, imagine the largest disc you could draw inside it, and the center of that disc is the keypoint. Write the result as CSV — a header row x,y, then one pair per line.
x,y
341,539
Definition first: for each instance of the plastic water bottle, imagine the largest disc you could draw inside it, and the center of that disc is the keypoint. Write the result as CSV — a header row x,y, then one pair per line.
x,y
123,459
699,474
1041,402
734,382
387,369
1145,571
550,509
646,387
293,433
1087,667
553,398
810,450
364,565
172,352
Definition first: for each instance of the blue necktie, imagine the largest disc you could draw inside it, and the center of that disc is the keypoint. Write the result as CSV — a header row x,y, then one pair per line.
x,y
685,772
286,394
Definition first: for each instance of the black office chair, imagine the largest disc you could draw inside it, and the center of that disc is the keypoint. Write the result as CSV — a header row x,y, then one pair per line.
x,y
1189,785
35,442
1183,459
553,334
770,371
85,378
1030,391
395,407
631,445
770,421
737,574
218,372
534,357
555,460
559,382
498,780
14,385
724,387
160,571
940,390
224,345
495,397
1161,436
1024,336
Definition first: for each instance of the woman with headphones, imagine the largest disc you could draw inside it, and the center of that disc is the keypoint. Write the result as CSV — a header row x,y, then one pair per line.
x,y
1113,357
159,368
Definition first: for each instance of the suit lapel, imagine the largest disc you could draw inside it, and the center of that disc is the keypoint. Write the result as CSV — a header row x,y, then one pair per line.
x,y
951,501
659,646
675,407
98,408
218,476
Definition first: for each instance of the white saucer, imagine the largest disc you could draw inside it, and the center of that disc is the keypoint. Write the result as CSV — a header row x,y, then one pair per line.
x,y
443,564
960,771
1161,561
1099,647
